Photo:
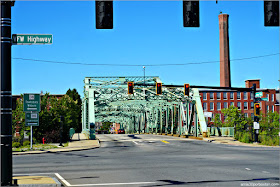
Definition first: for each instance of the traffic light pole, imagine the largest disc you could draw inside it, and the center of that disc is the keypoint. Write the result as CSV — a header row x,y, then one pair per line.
x,y
256,118
6,95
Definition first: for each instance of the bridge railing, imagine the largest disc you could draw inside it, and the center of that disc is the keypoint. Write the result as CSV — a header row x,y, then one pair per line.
x,y
223,131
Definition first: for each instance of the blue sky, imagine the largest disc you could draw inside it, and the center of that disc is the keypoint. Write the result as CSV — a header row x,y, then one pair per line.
x,y
145,32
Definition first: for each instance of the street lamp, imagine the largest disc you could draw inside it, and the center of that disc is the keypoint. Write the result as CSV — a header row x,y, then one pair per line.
x,y
144,74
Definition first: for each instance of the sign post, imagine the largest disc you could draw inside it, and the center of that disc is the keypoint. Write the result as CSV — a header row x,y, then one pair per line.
x,y
31,137
31,107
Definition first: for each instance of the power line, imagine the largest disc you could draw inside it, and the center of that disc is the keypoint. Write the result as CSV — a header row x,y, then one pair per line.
x,y
183,64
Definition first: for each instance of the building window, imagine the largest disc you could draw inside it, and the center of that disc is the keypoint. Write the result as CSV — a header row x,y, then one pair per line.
x,y
246,115
238,105
267,108
204,96
225,105
251,96
245,95
252,116
231,95
272,109
211,95
268,95
218,95
211,106
225,95
272,97
238,95
245,105
252,105
218,106
231,103
205,106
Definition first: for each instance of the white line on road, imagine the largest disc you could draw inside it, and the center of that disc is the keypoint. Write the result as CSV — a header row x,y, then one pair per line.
x,y
101,184
63,180
265,172
113,184
248,169
135,142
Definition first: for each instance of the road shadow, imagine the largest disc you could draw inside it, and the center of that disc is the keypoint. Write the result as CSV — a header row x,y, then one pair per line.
x,y
132,136
73,154
208,182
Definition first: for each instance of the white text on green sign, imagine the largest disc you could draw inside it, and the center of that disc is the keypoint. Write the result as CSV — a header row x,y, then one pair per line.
x,y
259,94
28,39
31,102
31,119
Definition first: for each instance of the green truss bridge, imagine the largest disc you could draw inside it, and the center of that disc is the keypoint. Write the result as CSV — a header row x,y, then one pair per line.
x,y
106,99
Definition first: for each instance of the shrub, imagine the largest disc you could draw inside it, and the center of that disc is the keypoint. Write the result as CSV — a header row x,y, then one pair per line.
x,y
269,140
26,143
52,136
238,135
246,137
16,144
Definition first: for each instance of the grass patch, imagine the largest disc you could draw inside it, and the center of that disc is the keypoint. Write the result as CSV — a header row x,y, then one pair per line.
x,y
66,144
36,147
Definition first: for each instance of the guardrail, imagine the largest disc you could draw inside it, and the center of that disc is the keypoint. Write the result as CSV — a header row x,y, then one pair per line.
x,y
221,131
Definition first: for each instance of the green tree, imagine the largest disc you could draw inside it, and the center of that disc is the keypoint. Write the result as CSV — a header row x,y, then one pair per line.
x,y
18,120
234,118
76,97
269,128
106,126
49,118
217,121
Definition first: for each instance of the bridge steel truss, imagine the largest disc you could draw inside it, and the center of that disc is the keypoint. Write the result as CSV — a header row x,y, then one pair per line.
x,y
106,100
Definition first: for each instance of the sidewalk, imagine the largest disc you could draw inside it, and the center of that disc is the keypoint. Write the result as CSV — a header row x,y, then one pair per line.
x,y
79,142
232,141
33,181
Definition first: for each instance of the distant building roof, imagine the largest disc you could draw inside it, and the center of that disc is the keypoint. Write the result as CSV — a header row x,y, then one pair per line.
x,y
252,79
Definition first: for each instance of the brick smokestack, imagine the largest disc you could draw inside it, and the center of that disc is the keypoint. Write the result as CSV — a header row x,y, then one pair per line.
x,y
224,51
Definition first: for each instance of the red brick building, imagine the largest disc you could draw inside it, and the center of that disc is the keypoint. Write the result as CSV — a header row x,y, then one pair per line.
x,y
215,100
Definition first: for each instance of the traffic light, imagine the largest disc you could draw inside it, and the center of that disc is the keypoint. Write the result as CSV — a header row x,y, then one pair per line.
x,y
104,14
130,87
271,13
191,13
187,89
159,88
257,109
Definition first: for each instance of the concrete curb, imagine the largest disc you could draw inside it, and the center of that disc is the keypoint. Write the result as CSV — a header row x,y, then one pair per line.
x,y
237,143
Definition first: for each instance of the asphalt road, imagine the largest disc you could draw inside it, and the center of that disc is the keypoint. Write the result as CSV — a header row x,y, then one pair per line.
x,y
154,160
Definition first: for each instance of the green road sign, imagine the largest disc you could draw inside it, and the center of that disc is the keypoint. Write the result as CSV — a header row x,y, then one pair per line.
x,y
259,94
264,99
29,39
31,102
32,119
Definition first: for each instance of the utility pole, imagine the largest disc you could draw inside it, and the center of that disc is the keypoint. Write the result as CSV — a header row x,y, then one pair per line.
x,y
60,130
6,95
